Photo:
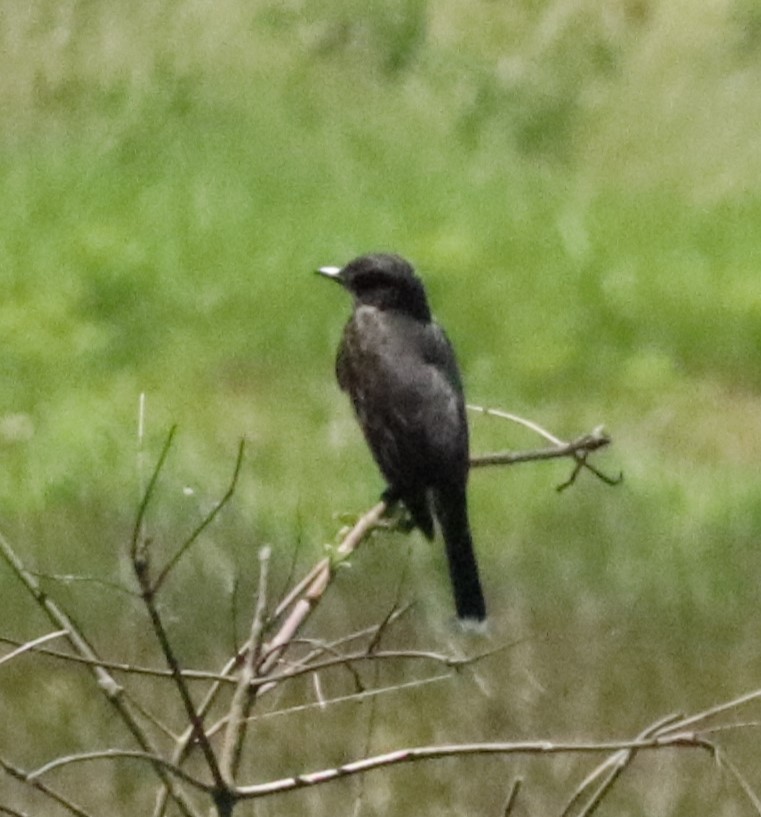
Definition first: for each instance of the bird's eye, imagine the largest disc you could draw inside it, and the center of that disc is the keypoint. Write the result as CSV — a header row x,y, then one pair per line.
x,y
370,280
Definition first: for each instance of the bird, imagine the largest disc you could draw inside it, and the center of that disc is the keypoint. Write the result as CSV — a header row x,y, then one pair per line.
x,y
400,372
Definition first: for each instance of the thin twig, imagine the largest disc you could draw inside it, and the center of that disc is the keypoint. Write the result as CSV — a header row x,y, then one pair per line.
x,y
730,727
615,766
194,718
514,418
205,522
512,798
690,721
741,780
421,753
126,754
72,578
354,697
139,540
43,788
105,681
141,568
185,741
32,645
12,811
119,666
375,655
140,462
240,705
579,449
331,647
375,641
312,593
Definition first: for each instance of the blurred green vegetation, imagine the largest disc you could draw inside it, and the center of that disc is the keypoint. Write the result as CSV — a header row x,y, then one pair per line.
x,y
580,186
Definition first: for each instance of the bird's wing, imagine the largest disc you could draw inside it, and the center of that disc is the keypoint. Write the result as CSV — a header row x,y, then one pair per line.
x,y
420,400
402,377
438,352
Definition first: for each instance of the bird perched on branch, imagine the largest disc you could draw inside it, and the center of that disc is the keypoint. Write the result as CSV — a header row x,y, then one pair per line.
x,y
398,367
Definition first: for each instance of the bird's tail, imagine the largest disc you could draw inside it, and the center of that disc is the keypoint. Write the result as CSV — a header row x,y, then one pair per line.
x,y
451,508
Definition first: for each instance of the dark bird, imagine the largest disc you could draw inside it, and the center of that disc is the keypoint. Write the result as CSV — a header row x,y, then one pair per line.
x,y
398,367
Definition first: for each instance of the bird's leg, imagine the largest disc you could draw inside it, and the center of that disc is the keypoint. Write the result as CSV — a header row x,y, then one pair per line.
x,y
399,517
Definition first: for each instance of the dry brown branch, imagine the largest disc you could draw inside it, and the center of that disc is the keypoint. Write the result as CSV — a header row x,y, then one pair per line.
x,y
11,811
66,803
421,753
298,604
104,680
370,654
31,645
332,648
205,522
140,556
400,756
125,754
322,575
512,798
711,712
184,743
118,666
355,697
305,595
242,700
614,766
579,449
740,779
139,542
662,729
260,666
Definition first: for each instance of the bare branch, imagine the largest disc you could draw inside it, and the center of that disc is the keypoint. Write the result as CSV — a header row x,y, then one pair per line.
x,y
240,706
23,777
194,718
730,727
127,754
514,418
331,647
73,578
512,798
578,449
614,766
321,576
354,696
581,446
32,645
105,681
376,655
690,721
118,666
139,540
741,780
11,811
420,753
185,741
205,522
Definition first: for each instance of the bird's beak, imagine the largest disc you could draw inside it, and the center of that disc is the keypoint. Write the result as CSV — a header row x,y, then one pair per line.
x,y
330,272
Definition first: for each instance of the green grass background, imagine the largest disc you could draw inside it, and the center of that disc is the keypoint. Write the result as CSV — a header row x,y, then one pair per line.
x,y
580,186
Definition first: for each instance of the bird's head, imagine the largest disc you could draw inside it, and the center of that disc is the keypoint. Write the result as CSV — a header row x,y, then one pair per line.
x,y
384,281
